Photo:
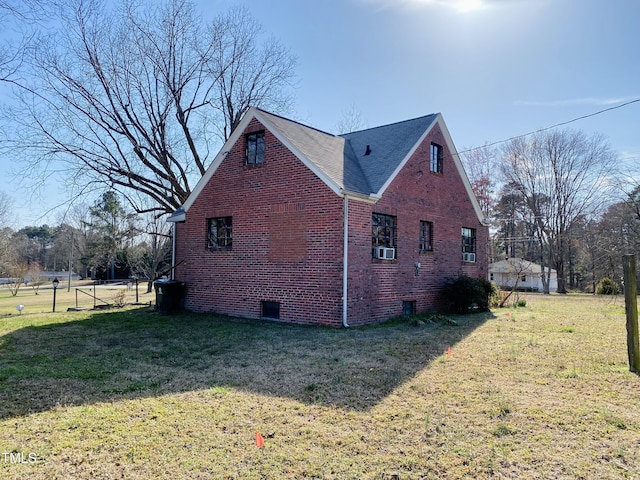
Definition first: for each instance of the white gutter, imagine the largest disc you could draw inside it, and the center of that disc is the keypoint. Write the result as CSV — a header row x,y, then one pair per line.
x,y
345,262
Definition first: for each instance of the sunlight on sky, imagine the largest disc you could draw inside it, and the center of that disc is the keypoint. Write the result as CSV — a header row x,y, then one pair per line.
x,y
462,6
465,6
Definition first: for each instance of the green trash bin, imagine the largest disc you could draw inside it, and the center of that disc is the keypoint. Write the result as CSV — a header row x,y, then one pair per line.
x,y
169,296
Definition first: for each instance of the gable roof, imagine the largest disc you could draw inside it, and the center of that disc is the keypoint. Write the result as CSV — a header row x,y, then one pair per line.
x,y
341,161
388,146
517,266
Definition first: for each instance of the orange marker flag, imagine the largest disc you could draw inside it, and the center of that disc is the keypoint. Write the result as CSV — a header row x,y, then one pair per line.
x,y
448,350
259,440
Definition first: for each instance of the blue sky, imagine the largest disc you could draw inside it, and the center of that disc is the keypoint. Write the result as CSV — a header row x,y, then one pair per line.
x,y
494,68
502,68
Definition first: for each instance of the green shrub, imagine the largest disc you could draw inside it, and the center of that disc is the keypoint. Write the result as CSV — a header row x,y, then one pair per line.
x,y
606,286
521,302
465,294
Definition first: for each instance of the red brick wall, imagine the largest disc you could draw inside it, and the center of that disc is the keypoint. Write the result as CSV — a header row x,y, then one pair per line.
x,y
287,240
377,288
288,236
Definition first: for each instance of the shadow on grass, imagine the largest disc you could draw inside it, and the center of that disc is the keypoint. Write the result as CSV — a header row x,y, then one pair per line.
x,y
108,356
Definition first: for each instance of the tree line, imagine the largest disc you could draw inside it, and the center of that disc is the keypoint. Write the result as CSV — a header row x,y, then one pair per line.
x,y
103,241
560,199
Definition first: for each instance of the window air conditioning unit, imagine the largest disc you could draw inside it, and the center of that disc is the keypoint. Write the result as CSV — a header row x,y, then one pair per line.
x,y
469,257
385,253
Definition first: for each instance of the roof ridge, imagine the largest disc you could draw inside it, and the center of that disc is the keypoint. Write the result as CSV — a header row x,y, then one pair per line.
x,y
388,124
295,121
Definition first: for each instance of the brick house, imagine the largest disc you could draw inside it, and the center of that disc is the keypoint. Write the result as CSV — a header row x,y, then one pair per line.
x,y
296,224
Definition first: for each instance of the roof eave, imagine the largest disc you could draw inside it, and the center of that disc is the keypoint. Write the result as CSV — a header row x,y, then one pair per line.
x,y
461,171
365,197
178,216
299,154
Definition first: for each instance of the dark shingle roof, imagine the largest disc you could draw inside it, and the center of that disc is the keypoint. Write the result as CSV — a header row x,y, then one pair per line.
x,y
388,146
342,158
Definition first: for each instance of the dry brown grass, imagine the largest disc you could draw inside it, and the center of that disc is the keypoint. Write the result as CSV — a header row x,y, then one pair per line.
x,y
537,392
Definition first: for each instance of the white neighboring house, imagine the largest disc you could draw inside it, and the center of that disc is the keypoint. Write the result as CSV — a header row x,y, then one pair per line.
x,y
528,274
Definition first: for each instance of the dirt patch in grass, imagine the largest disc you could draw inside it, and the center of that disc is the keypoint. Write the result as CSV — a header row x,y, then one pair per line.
x,y
138,396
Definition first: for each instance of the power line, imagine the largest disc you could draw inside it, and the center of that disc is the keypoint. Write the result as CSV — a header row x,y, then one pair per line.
x,y
553,126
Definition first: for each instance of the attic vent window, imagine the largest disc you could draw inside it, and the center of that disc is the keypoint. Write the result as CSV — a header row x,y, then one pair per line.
x,y
255,148
367,150
435,162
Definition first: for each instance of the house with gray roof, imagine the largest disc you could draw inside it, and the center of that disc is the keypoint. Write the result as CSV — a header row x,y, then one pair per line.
x,y
295,224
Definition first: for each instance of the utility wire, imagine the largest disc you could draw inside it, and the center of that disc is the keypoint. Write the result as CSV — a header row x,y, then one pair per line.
x,y
553,126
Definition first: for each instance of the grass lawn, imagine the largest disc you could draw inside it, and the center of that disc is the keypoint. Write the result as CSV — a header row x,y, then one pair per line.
x,y
81,295
541,391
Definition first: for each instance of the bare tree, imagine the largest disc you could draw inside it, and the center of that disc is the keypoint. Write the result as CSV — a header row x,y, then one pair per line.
x,y
350,121
24,14
250,73
480,165
562,177
121,99
17,274
35,277
151,257
7,251
514,272
5,209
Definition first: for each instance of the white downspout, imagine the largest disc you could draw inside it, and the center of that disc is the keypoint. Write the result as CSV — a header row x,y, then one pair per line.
x,y
173,252
345,262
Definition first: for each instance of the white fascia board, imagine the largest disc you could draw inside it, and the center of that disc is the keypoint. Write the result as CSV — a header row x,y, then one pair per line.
x,y
461,170
177,216
299,154
222,154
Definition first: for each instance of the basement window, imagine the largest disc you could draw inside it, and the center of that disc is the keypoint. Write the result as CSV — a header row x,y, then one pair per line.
x,y
271,309
408,308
